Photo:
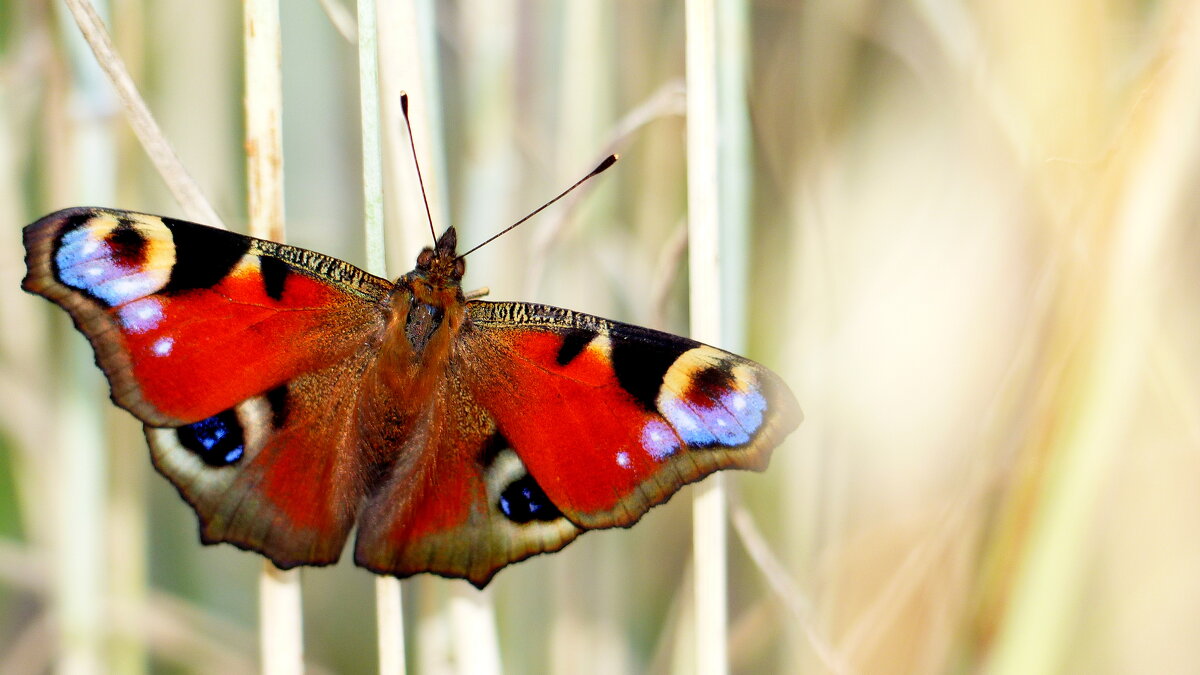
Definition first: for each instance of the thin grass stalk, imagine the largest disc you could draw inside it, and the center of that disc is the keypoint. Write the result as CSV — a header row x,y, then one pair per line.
x,y
407,63
1048,602
733,167
26,384
705,295
372,155
476,646
281,630
584,614
80,438
128,574
486,36
280,620
389,608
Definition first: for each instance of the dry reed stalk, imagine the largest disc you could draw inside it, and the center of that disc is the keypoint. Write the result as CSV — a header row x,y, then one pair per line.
x,y
79,463
705,293
280,619
389,608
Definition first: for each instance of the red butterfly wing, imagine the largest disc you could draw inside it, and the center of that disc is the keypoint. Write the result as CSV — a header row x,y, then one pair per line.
x,y
550,422
443,509
242,356
611,418
280,473
282,389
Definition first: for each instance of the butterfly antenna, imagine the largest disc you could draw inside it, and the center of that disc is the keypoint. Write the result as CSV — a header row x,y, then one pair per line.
x,y
412,144
602,167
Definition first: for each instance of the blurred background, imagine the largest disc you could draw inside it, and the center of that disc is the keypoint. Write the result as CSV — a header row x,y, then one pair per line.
x,y
970,248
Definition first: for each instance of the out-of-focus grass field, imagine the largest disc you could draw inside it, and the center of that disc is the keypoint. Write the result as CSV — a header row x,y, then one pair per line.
x,y
973,254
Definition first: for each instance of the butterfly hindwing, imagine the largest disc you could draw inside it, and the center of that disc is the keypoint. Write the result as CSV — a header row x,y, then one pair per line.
x,y
188,320
280,473
459,502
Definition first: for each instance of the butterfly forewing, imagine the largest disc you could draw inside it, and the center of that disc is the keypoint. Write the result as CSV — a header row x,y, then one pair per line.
x,y
188,320
611,418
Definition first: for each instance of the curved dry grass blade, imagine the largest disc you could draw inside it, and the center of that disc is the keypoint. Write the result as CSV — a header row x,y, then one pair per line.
x,y
157,148
669,100
341,18
781,583
666,270
1150,216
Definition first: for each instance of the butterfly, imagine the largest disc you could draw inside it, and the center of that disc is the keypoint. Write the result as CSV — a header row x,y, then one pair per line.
x,y
290,396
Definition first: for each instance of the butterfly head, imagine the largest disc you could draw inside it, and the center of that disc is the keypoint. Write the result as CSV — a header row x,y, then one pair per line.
x,y
440,265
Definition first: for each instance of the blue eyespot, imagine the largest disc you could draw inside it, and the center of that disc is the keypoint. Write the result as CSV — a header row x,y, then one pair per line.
x,y
523,501
217,440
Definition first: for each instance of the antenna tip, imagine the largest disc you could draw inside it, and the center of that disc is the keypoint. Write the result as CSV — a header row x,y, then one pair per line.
x,y
608,161
404,102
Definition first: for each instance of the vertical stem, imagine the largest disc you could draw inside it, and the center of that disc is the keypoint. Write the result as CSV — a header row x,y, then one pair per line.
x,y
389,625
389,608
281,628
733,167
368,81
127,503
79,436
280,619
264,108
476,647
709,533
408,62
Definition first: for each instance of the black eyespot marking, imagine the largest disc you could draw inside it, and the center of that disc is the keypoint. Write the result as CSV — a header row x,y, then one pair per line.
x,y
126,244
641,362
492,447
713,381
274,273
217,440
203,255
277,399
77,220
524,501
574,342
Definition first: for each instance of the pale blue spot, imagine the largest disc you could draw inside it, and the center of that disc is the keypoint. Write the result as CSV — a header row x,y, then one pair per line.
x,y
142,315
126,287
722,424
623,460
746,407
84,263
731,420
687,422
162,346
659,440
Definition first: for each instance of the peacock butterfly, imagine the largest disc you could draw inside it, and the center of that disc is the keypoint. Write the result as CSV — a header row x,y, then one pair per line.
x,y
289,396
